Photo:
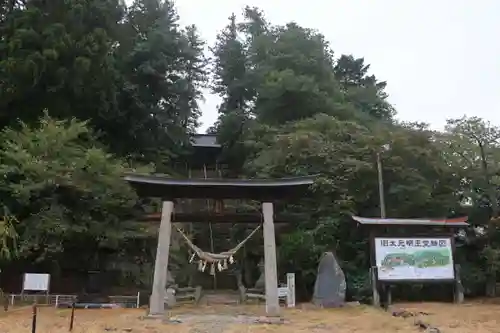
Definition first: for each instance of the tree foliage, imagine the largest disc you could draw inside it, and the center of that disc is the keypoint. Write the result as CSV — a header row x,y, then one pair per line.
x,y
8,237
471,145
66,190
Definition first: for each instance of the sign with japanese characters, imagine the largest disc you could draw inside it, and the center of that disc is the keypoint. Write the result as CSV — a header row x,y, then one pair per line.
x,y
414,259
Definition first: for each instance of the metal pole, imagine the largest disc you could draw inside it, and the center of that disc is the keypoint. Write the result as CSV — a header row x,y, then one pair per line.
x,y
381,187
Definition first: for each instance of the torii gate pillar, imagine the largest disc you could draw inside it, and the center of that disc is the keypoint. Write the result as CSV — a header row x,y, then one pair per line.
x,y
157,299
270,269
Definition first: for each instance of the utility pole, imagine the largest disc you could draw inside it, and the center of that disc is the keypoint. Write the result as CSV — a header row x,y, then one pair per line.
x,y
381,184
386,289
381,187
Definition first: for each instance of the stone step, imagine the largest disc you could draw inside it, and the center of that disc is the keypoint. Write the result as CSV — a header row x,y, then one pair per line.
x,y
229,298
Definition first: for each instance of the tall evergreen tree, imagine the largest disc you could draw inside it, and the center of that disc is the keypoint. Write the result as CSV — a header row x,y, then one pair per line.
x,y
297,79
364,91
230,82
257,41
163,69
229,78
195,79
54,55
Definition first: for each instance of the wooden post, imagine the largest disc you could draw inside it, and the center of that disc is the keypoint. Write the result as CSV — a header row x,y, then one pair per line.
x,y
458,288
388,295
33,318
157,299
375,293
270,269
72,318
373,270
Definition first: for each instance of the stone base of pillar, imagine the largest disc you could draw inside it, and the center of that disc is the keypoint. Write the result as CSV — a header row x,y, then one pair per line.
x,y
153,316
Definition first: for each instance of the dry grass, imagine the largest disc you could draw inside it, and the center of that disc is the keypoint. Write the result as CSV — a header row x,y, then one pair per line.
x,y
477,317
467,318
346,320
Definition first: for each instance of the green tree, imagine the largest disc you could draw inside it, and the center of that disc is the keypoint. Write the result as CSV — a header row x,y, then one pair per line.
x,y
133,76
118,68
364,91
342,154
472,146
229,66
163,70
257,40
54,55
196,78
66,191
230,82
297,78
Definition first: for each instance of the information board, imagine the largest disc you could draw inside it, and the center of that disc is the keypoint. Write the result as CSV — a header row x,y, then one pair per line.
x,y
36,282
414,259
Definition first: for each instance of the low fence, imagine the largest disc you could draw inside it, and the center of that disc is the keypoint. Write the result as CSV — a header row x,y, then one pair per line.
x,y
62,300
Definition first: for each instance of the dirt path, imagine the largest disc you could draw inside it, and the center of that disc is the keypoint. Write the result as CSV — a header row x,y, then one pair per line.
x,y
209,323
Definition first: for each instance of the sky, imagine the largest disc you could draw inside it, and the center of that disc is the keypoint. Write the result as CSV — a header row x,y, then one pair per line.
x,y
441,59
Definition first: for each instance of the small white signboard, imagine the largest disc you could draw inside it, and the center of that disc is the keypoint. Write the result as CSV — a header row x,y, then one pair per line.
x,y
36,282
288,291
282,292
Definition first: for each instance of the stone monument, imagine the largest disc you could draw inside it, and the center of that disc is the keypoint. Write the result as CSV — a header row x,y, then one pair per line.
x,y
330,286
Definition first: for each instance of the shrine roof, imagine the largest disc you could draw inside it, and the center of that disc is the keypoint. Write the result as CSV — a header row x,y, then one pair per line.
x,y
205,141
205,151
454,222
162,186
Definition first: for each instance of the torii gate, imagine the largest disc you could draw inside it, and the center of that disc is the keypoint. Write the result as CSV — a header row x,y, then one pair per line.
x,y
264,190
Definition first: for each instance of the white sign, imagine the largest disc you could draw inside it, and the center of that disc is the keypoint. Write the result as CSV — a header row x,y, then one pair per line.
x,y
288,291
282,292
36,282
414,259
